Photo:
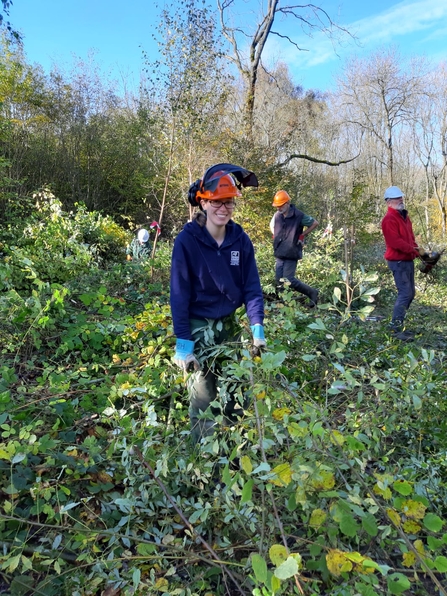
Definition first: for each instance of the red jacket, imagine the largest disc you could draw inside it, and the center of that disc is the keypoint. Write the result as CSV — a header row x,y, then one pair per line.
x,y
399,237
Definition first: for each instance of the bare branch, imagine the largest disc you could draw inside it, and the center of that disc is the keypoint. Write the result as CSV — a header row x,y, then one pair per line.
x,y
315,160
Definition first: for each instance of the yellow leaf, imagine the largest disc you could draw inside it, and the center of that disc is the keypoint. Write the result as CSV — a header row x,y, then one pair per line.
x,y
383,492
278,554
283,474
408,559
337,438
162,584
104,477
5,455
279,413
297,431
394,517
317,518
116,358
419,546
246,464
337,562
411,527
324,480
414,509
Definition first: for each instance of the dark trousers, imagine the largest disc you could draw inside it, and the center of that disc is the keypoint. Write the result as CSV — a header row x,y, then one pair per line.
x,y
403,272
287,268
203,385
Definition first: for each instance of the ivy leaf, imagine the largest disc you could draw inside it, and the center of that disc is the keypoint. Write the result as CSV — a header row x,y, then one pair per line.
x,y
287,569
398,583
433,522
259,567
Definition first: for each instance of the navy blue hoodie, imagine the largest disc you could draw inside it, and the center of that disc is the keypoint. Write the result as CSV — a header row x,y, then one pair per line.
x,y
211,282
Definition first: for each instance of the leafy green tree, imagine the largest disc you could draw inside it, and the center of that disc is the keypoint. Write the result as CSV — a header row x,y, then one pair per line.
x,y
187,88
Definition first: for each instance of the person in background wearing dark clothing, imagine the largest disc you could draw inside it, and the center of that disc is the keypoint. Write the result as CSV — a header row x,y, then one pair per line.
x,y
140,247
213,273
401,250
287,227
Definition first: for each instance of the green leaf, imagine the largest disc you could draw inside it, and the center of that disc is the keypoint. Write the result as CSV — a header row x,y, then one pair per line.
x,y
434,543
12,563
259,567
67,507
402,487
146,549
18,457
263,467
136,576
417,402
441,563
22,584
226,476
433,522
348,526
195,516
318,325
369,524
246,464
247,491
287,569
398,583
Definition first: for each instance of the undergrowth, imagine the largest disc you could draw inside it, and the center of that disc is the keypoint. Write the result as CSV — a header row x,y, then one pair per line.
x,y
332,480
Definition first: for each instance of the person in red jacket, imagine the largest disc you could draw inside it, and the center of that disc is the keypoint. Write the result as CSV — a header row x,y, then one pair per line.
x,y
401,250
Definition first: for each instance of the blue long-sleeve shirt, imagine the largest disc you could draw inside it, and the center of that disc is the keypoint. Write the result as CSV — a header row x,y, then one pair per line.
x,y
210,281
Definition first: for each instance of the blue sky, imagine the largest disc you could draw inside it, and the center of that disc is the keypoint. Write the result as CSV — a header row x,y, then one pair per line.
x,y
57,31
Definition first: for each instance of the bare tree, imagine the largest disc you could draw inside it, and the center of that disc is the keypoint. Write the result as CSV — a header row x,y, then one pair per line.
x,y
379,97
309,16
430,143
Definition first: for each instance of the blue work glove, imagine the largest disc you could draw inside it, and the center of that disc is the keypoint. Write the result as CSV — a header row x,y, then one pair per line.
x,y
258,336
184,357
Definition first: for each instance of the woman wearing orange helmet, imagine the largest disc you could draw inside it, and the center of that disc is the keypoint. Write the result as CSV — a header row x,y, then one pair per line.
x,y
287,227
213,273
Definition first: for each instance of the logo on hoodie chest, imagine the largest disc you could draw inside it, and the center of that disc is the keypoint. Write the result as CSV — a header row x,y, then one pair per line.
x,y
234,257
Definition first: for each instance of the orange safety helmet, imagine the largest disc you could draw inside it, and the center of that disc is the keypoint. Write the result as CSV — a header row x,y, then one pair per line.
x,y
221,186
280,198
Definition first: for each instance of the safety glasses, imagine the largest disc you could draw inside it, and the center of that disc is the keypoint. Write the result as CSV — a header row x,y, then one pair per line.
x,y
229,205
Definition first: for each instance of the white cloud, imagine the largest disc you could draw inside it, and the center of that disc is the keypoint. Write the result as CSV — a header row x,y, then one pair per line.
x,y
416,27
